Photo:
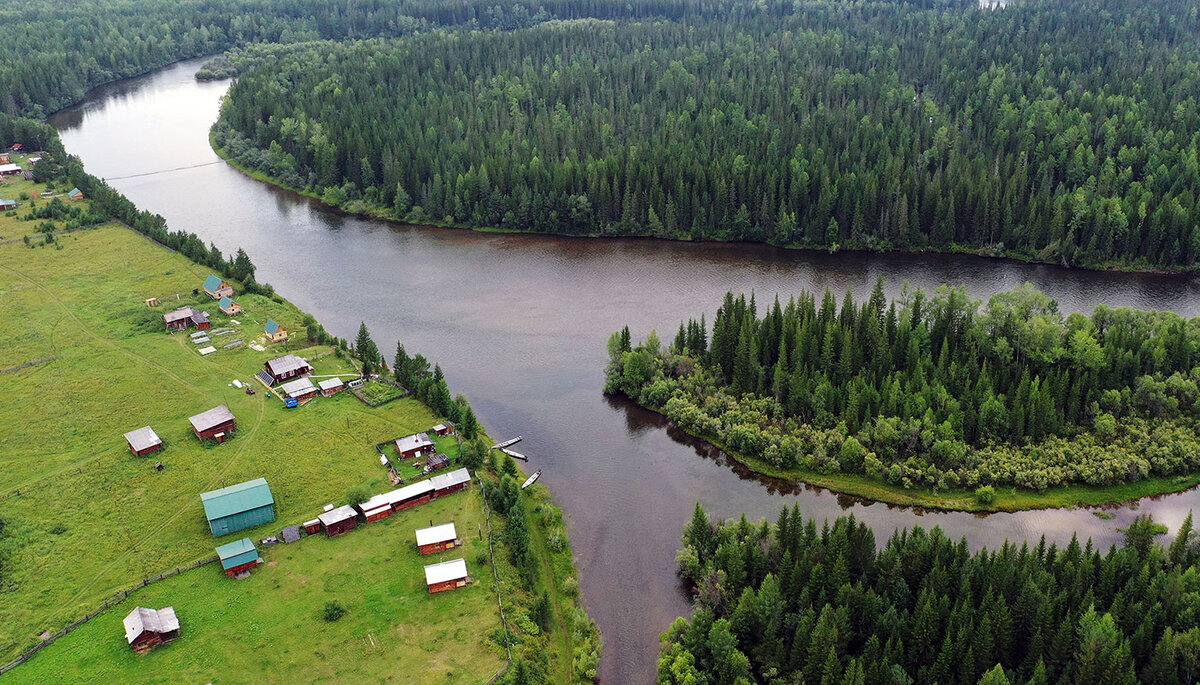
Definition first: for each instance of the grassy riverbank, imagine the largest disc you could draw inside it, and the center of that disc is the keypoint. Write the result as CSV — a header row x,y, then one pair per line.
x,y
83,518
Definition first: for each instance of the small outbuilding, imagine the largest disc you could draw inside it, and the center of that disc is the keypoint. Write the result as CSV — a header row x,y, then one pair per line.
x,y
200,320
75,194
446,428
437,461
337,521
217,288
311,527
448,575
180,318
145,628
447,483
299,389
437,539
10,169
238,507
228,307
274,331
290,534
238,557
411,446
143,441
215,424
331,386
410,495
6,205
377,508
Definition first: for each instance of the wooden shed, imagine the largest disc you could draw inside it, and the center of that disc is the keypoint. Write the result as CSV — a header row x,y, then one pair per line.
x,y
239,556
311,527
337,521
199,319
299,389
415,445
437,539
216,288
447,483
6,205
377,508
274,331
215,424
145,628
448,575
143,441
435,462
238,507
410,495
180,318
446,428
228,307
331,386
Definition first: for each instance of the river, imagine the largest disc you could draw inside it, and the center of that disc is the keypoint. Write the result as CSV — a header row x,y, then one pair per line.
x,y
519,323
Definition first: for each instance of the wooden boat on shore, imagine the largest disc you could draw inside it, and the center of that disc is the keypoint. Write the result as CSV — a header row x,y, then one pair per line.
x,y
532,479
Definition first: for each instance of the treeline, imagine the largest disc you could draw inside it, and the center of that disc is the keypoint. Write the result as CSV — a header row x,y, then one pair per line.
x,y
798,603
931,390
875,125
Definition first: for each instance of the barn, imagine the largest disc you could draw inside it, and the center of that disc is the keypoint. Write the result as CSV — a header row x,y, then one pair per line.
x,y
287,367
337,521
414,445
9,169
228,307
410,495
216,288
377,508
437,461
180,318
299,389
215,424
7,204
447,483
199,319
239,556
143,441
331,386
148,628
437,539
238,507
274,331
446,428
448,575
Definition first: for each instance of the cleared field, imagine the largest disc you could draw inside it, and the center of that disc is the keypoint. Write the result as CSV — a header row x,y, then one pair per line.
x,y
90,518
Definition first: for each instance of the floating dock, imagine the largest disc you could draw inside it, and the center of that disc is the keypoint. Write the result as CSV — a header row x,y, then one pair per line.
x,y
515,455
506,443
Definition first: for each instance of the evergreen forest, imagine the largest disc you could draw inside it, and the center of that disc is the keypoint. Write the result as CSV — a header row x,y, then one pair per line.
x,y
799,603
1052,130
938,391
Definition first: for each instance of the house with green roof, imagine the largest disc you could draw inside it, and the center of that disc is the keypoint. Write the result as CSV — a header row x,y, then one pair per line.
x,y
238,507
274,331
216,288
238,556
229,307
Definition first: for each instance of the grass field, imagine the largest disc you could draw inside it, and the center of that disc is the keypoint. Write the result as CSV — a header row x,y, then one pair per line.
x,y
90,519
237,631
28,196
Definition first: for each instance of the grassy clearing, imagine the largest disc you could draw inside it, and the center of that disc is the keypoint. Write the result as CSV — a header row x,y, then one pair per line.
x,y
29,196
237,631
92,519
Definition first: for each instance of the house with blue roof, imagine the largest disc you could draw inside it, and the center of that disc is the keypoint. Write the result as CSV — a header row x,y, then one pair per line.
x,y
229,307
238,507
238,557
216,288
274,331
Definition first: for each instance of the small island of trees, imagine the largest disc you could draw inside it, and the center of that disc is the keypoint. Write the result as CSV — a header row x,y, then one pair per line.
x,y
932,392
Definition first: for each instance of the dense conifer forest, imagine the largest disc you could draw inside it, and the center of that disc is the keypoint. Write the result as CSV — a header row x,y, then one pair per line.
x,y
1062,131
796,602
931,390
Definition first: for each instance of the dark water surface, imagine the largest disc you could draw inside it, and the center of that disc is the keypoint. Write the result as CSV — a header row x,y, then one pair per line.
x,y
519,323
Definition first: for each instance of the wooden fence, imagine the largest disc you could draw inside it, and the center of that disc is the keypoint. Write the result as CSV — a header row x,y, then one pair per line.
x,y
496,576
115,599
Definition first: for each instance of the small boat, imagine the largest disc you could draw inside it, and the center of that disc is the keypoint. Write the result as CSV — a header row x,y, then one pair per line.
x,y
532,479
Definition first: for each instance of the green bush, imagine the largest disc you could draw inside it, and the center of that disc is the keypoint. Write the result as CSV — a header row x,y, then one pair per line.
x,y
333,610
985,495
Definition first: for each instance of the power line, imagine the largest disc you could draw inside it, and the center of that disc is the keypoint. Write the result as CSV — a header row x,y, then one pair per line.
x,y
164,171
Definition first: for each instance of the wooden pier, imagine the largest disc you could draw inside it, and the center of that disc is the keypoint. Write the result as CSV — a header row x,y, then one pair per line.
x,y
506,443
515,455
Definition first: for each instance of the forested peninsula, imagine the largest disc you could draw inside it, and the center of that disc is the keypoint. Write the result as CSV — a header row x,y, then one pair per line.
x,y
1055,131
934,399
798,603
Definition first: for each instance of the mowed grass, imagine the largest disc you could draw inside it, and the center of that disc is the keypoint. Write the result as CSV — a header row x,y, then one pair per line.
x,y
91,519
267,628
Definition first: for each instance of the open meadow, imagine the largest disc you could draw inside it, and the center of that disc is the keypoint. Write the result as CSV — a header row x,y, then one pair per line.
x,y
83,518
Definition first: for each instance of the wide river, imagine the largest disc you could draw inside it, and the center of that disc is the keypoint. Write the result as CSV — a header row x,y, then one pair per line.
x,y
519,323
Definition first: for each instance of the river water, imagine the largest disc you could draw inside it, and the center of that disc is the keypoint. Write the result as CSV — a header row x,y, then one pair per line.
x,y
519,323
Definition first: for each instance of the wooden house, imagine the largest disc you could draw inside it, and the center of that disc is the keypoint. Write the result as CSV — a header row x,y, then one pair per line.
x,y
311,527
410,495
6,205
200,320
5,159
10,169
299,389
274,331
377,508
238,507
287,367
437,461
229,307
448,483
17,147
143,441
75,194
340,520
437,539
448,575
446,428
145,628
238,557
331,386
411,446
216,288
215,424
